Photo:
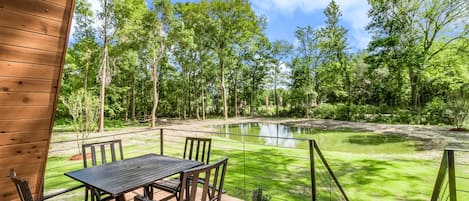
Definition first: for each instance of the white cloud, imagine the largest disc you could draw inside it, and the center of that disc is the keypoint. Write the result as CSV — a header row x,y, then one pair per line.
x,y
354,14
287,7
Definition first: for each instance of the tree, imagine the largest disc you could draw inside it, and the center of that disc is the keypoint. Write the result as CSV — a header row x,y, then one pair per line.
x,y
129,15
229,24
406,34
280,50
83,108
334,47
157,23
107,17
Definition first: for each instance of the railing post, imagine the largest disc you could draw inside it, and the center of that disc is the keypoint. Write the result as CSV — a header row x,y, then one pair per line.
x,y
161,141
451,176
440,177
313,174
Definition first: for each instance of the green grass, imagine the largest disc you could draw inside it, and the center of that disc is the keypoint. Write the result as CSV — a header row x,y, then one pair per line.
x,y
284,174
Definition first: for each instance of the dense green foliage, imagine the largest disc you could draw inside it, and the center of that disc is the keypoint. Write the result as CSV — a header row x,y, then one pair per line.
x,y
212,59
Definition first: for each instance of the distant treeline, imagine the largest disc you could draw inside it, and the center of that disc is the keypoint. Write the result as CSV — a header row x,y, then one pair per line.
x,y
211,58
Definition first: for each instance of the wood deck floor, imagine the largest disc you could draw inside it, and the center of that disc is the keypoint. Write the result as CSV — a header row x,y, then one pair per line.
x,y
159,195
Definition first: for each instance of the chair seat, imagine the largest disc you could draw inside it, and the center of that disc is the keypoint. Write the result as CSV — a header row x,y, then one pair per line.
x,y
170,184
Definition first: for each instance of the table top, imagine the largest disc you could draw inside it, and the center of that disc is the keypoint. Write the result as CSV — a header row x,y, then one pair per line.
x,y
129,174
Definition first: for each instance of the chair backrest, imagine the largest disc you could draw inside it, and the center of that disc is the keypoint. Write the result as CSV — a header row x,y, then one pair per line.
x,y
213,176
22,186
112,145
197,149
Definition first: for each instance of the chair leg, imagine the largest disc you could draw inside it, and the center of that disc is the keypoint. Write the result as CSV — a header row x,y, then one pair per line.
x,y
86,194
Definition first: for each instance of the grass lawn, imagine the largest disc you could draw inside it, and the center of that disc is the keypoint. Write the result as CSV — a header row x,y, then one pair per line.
x,y
284,173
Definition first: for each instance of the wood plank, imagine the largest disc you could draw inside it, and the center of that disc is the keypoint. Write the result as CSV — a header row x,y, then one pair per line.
x,y
21,162
37,7
15,150
27,55
17,20
28,39
26,99
8,84
13,113
24,125
60,2
23,137
25,70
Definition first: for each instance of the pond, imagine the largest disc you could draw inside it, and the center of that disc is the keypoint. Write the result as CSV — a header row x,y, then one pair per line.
x,y
342,140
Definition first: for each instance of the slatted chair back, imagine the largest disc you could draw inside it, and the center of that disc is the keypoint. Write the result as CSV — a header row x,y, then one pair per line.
x,y
114,146
214,176
197,149
22,186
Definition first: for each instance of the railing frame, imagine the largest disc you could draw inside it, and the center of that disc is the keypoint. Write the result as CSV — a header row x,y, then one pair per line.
x,y
313,147
447,165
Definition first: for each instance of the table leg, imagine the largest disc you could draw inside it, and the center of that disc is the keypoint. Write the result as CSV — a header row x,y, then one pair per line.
x,y
95,195
120,197
148,192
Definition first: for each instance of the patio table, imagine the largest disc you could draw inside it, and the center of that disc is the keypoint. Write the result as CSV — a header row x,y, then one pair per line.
x,y
130,174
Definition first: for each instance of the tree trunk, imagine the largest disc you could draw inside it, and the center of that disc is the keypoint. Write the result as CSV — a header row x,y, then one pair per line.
x,y
276,99
223,89
236,98
251,100
413,77
132,99
196,99
103,87
155,92
85,83
203,103
188,95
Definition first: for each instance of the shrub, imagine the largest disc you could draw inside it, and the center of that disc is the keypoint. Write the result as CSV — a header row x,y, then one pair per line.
x,y
325,111
257,195
113,123
458,112
436,112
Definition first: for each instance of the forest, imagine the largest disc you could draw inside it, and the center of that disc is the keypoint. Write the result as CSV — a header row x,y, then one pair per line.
x,y
211,59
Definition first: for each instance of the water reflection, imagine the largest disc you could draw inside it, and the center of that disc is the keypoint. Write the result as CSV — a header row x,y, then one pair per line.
x,y
331,140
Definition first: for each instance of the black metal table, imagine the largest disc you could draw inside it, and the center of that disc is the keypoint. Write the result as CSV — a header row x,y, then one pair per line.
x,y
130,174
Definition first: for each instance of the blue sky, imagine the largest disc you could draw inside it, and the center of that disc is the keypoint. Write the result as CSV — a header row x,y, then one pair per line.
x,y
284,16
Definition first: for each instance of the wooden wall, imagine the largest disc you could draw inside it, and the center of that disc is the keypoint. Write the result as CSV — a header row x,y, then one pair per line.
x,y
33,40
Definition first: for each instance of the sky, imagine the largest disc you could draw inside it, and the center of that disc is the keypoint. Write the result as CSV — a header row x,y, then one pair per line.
x,y
284,16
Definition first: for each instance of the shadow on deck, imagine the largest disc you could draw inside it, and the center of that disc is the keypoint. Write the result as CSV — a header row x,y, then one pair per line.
x,y
159,195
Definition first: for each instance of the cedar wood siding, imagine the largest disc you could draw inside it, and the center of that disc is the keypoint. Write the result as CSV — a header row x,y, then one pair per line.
x,y
33,41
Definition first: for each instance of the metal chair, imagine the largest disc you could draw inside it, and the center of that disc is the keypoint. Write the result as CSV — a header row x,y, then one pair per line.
x,y
114,146
197,149
213,176
24,192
